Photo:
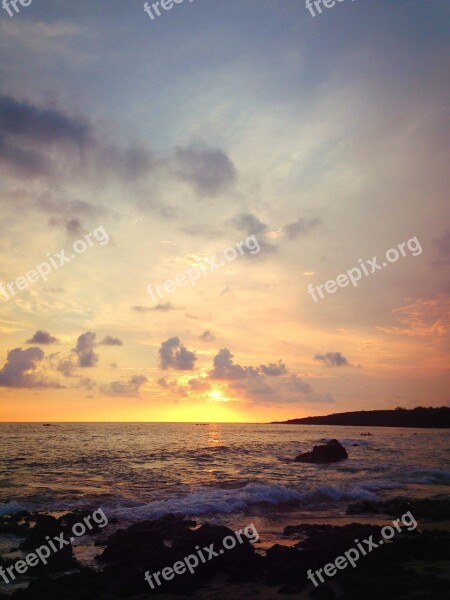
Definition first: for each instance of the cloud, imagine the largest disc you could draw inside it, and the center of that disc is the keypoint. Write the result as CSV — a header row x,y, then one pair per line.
x,y
442,250
333,359
207,336
87,383
111,341
128,388
209,170
173,386
45,125
423,317
199,385
300,227
225,368
299,385
162,307
173,355
251,225
274,369
28,135
85,350
140,309
72,225
38,142
43,338
19,371
68,365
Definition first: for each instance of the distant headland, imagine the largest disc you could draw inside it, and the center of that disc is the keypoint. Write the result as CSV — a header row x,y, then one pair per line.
x,y
420,417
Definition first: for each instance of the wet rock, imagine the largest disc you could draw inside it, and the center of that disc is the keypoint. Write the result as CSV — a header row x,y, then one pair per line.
x,y
433,509
323,592
85,585
333,451
13,525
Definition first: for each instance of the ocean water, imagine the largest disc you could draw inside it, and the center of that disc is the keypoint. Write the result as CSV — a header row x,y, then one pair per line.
x,y
227,472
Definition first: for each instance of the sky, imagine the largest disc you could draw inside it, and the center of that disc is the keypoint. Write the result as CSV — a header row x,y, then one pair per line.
x,y
176,193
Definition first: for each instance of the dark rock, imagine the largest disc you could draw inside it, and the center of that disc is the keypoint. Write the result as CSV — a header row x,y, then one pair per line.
x,y
85,585
333,451
13,525
307,529
44,525
323,592
289,590
434,509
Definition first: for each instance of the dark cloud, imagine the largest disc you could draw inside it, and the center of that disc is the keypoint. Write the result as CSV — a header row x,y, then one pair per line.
x,y
25,162
173,355
161,307
44,125
300,227
199,385
87,383
225,368
442,250
28,134
140,309
249,223
207,336
72,225
43,338
274,369
333,359
173,386
111,341
127,388
209,170
85,350
41,141
299,385
19,371
164,307
67,366
47,202
128,164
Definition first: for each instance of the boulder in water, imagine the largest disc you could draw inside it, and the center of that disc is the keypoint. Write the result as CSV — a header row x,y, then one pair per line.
x,y
333,451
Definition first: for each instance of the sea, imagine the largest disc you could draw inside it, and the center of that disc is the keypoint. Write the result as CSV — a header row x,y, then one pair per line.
x,y
234,474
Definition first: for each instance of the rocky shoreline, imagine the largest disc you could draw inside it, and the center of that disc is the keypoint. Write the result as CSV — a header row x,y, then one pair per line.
x,y
416,564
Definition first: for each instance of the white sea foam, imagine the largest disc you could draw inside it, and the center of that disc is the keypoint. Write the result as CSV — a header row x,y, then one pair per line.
x,y
9,508
207,501
439,476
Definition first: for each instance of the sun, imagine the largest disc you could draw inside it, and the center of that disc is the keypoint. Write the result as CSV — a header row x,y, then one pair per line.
x,y
217,396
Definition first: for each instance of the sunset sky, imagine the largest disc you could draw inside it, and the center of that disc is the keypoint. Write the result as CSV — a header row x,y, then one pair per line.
x,y
172,140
